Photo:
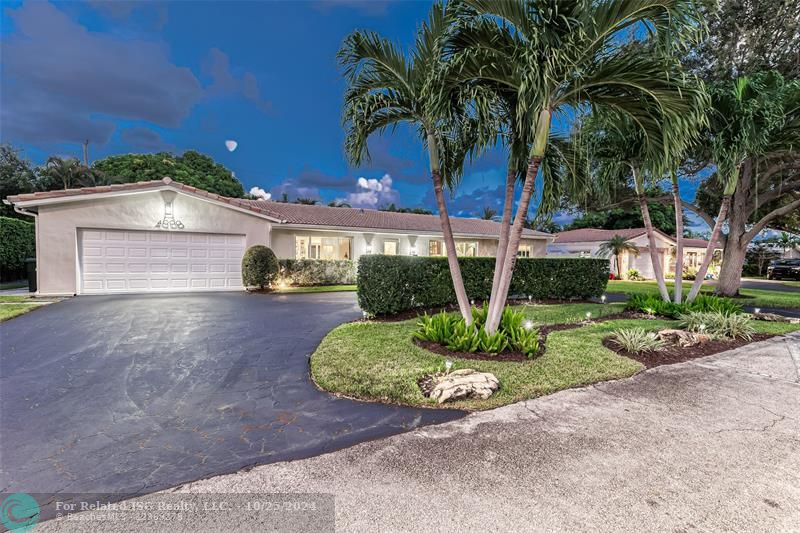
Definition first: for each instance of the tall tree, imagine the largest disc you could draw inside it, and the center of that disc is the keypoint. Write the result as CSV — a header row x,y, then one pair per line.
x,y
565,56
751,141
488,213
17,176
386,87
70,173
190,168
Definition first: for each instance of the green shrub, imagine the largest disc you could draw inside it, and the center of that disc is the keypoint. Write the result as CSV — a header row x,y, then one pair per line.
x,y
452,331
718,324
653,305
634,275
310,272
636,340
259,267
17,243
390,284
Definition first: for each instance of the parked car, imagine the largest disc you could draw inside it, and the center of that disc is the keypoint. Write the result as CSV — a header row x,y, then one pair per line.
x,y
784,268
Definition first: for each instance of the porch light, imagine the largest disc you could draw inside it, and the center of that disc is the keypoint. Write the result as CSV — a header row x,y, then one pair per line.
x,y
369,249
527,325
413,250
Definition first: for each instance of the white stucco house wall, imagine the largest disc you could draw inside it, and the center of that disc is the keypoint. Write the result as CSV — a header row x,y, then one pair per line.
x,y
164,236
585,242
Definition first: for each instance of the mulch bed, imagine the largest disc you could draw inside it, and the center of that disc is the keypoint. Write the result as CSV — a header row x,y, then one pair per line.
x,y
672,354
519,357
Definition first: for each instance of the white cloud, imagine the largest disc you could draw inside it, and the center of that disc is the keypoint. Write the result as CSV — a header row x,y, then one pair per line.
x,y
260,193
373,193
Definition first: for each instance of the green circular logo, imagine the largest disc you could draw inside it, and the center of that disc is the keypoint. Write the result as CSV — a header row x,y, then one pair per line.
x,y
19,512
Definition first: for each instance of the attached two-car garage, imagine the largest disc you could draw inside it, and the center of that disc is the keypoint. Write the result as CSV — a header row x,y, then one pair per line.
x,y
115,261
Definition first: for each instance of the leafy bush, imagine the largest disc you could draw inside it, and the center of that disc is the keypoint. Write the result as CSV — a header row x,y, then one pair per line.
x,y
654,305
634,275
259,267
718,324
452,331
636,340
308,272
390,284
689,273
17,243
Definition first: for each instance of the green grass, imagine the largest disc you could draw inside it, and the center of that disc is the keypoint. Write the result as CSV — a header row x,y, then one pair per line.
x,y
321,288
792,283
378,361
14,299
755,297
10,311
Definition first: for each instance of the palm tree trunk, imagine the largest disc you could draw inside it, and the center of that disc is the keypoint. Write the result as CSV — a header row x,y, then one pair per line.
x,y
497,303
701,272
658,267
619,266
505,229
447,232
676,198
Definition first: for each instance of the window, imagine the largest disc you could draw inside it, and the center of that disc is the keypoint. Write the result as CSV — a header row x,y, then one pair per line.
x,y
524,250
322,247
467,249
390,247
435,248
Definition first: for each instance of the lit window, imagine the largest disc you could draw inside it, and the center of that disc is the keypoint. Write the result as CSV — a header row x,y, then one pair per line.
x,y
524,250
390,247
328,248
434,248
466,249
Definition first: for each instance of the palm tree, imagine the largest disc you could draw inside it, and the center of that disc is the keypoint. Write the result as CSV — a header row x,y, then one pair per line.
x,y
678,205
616,246
562,57
70,173
339,203
305,201
387,88
786,241
488,213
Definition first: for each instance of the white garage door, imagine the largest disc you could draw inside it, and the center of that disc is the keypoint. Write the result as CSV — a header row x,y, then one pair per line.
x,y
159,261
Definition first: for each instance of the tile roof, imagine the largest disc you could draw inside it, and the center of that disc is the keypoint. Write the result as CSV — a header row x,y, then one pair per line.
x,y
312,215
602,235
595,235
345,217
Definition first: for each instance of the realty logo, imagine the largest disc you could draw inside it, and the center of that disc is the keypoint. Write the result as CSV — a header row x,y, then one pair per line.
x,y
19,512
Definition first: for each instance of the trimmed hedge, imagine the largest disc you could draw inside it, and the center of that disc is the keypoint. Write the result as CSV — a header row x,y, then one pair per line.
x,y
17,243
309,272
259,267
391,284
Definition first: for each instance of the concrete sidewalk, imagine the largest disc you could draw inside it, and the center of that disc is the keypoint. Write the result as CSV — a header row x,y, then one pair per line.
x,y
712,444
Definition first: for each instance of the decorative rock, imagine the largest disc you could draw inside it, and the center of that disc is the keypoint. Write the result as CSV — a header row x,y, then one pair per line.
x,y
683,338
463,384
772,317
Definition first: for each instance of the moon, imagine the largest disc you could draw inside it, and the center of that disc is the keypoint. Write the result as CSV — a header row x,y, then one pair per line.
x,y
231,145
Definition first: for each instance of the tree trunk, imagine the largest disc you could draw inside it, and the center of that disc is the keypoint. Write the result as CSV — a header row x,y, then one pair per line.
x,y
676,195
619,266
658,267
730,278
701,272
505,229
497,303
450,246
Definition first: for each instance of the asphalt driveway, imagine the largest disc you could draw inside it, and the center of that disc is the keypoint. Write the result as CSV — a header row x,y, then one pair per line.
x,y
132,394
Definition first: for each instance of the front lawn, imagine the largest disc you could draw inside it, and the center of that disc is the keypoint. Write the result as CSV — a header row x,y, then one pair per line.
x,y
755,297
378,360
9,311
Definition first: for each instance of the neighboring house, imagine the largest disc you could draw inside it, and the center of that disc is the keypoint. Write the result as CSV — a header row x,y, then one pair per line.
x,y
165,236
586,242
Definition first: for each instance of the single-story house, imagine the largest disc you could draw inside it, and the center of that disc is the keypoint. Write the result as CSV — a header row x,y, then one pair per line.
x,y
585,242
164,236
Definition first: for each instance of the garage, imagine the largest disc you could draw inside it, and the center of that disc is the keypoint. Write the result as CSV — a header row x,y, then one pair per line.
x,y
117,261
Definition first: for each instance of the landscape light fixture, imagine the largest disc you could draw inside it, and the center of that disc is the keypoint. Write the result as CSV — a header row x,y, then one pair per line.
x,y
757,310
448,364
603,298
528,325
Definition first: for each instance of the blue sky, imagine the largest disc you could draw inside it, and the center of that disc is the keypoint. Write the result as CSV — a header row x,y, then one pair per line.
x,y
149,76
